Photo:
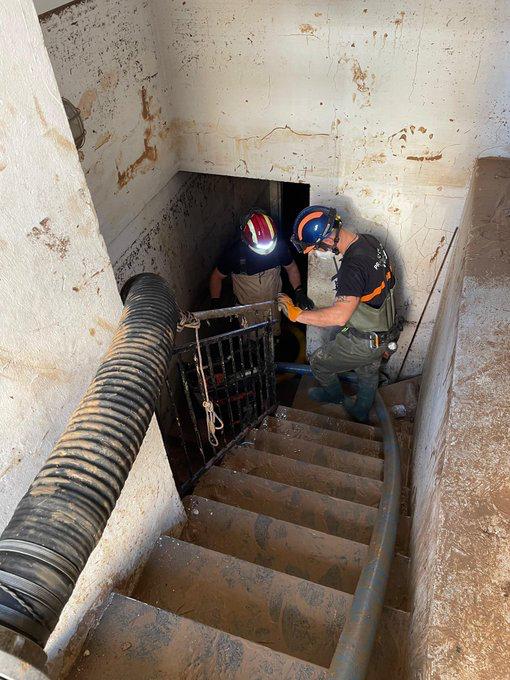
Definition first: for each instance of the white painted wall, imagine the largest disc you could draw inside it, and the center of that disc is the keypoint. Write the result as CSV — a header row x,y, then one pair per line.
x,y
59,306
104,56
381,106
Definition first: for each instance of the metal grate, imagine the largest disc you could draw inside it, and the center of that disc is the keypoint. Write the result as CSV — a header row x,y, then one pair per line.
x,y
240,375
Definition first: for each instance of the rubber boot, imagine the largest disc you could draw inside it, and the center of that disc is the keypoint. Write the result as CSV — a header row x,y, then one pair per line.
x,y
359,407
330,394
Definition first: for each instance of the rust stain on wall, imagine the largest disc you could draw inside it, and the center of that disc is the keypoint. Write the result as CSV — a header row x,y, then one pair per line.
x,y
374,159
44,233
307,28
150,151
104,324
359,77
86,103
437,157
102,140
60,140
400,19
436,252
146,103
40,112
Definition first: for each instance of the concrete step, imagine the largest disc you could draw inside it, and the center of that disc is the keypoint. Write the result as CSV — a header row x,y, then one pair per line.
x,y
285,613
312,555
310,509
318,454
304,475
299,431
329,423
136,641
339,440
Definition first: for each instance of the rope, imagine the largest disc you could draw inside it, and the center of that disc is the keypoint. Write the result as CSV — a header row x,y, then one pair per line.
x,y
213,421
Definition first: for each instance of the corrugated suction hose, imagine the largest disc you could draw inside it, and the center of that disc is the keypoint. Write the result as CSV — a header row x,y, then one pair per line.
x,y
59,521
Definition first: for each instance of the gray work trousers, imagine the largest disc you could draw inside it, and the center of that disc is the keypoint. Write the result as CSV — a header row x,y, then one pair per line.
x,y
347,353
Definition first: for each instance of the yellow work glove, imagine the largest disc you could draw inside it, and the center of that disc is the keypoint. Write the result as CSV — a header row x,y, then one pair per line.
x,y
286,306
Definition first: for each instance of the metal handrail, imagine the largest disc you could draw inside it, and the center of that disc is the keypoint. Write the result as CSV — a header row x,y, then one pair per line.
x,y
237,310
352,655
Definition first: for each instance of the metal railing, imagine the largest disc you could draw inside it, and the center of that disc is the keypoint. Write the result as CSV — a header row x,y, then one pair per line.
x,y
239,372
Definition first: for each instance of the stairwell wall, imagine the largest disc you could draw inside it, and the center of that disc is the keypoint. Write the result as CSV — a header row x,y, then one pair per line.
x,y
152,218
59,307
461,494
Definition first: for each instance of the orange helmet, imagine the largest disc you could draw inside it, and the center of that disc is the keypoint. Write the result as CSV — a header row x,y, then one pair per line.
x,y
258,231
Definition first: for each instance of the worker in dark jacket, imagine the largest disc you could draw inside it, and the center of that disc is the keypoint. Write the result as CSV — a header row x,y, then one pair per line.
x,y
254,261
364,309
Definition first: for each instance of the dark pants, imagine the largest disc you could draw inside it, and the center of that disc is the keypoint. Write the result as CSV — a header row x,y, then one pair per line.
x,y
347,353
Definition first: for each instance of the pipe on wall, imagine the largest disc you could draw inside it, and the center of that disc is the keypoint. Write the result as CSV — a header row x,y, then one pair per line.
x,y
62,516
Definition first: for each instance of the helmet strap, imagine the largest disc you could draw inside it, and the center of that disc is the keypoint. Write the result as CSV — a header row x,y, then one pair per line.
x,y
336,239
334,249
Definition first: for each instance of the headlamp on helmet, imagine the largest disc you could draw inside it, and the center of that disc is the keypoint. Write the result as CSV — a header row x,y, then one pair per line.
x,y
258,231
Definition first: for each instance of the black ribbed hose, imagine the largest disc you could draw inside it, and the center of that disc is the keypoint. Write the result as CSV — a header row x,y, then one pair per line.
x,y
61,518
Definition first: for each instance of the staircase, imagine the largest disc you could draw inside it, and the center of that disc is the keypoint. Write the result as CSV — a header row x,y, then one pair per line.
x,y
260,581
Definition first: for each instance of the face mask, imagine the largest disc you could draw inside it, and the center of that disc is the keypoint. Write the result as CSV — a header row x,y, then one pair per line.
x,y
323,254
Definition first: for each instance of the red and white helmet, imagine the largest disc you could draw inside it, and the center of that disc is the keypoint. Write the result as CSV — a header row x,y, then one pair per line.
x,y
258,231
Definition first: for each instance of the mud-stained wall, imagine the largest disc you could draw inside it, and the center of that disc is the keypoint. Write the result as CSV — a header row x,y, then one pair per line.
x,y
59,306
182,231
461,494
380,106
105,60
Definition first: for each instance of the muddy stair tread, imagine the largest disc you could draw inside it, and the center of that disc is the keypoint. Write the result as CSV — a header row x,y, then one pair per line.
x,y
312,555
316,511
329,422
340,440
317,453
137,641
304,475
283,612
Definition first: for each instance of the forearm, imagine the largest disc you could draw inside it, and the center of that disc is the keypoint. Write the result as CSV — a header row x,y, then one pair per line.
x,y
294,275
336,315
327,316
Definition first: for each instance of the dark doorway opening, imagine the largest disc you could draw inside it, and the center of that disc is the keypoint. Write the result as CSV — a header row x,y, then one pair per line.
x,y
293,198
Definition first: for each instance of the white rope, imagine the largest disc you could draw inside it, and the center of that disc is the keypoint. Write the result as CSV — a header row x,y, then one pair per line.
x,y
213,421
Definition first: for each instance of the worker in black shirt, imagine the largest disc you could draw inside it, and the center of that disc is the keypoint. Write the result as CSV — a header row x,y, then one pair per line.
x,y
254,262
364,309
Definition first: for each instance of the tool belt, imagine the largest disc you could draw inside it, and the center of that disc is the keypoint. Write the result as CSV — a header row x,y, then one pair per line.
x,y
378,338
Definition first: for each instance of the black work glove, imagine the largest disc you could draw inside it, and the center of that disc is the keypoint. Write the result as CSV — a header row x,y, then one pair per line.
x,y
302,300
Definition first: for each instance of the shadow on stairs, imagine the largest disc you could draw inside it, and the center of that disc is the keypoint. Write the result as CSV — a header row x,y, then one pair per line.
x,y
260,581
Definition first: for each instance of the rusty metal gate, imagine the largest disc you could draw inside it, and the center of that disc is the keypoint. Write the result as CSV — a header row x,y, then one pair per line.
x,y
239,372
